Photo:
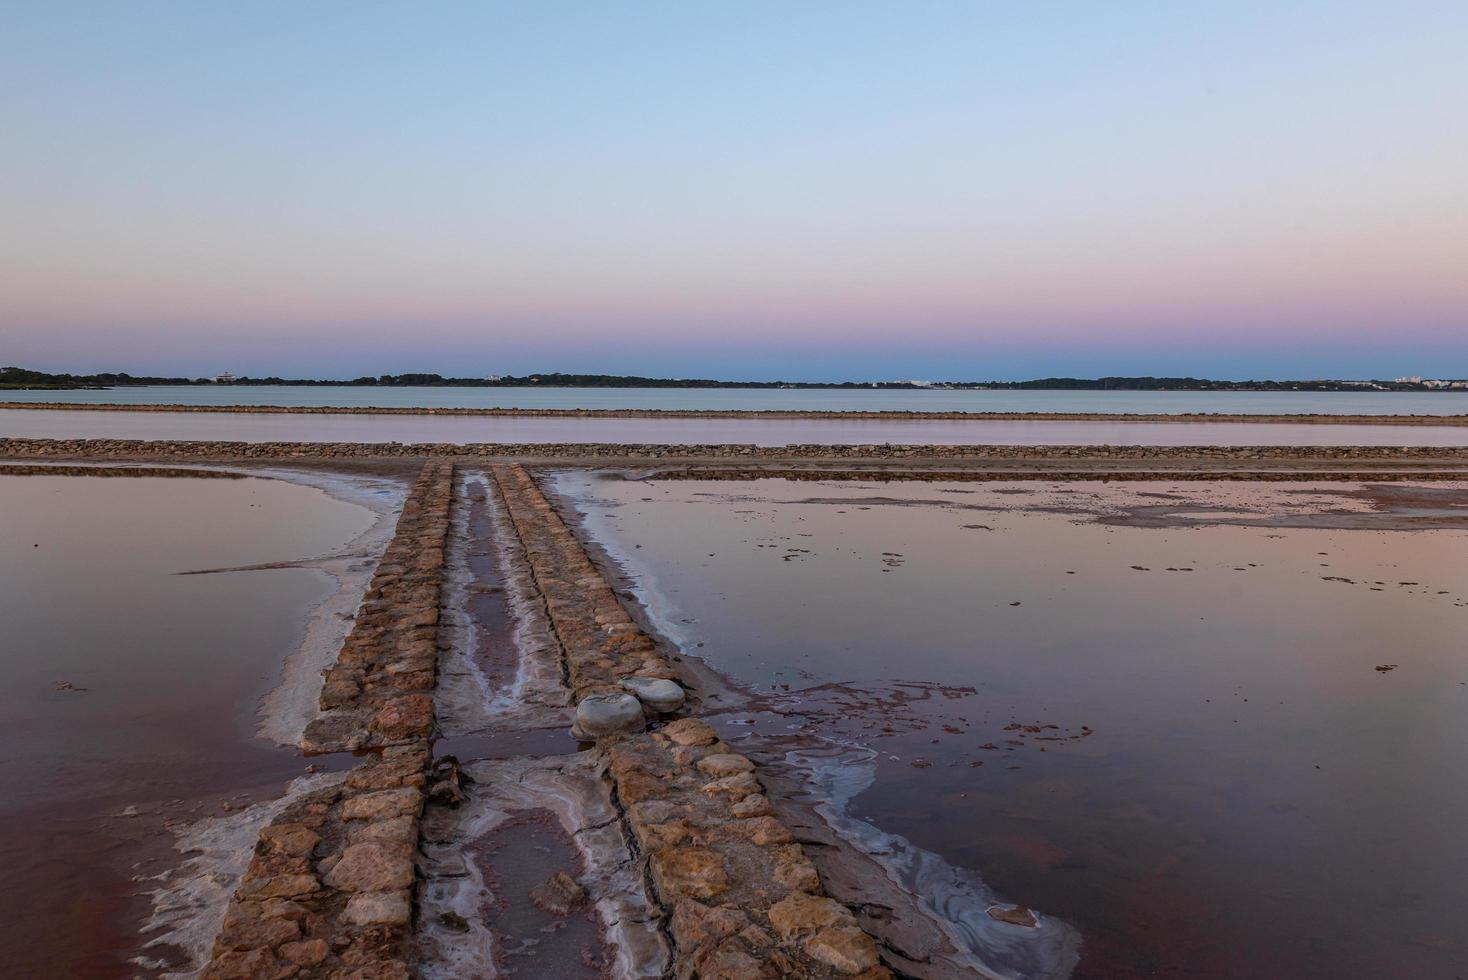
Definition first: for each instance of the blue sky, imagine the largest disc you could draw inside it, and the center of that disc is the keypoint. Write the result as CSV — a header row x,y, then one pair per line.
x,y
810,190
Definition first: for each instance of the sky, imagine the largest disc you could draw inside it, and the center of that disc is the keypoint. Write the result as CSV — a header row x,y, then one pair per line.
x,y
805,191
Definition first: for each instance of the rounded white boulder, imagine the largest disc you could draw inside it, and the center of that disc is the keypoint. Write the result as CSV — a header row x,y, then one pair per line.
x,y
607,714
657,695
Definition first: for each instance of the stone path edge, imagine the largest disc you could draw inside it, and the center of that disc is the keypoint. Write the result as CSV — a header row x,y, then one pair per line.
x,y
743,900
328,892
22,449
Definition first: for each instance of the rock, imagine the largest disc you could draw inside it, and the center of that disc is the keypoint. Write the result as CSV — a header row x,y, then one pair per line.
x,y
794,870
373,866
731,961
307,952
1018,916
763,831
754,805
558,895
249,965
453,921
695,923
655,836
799,914
638,786
403,829
411,714
690,731
379,908
725,765
658,696
280,886
693,872
294,839
737,786
607,714
383,804
245,928
844,948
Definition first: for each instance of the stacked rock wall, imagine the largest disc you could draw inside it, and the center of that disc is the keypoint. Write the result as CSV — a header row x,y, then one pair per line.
x,y
24,448
329,889
743,900
601,645
379,690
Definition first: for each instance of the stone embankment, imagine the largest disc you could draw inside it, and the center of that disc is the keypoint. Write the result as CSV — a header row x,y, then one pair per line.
x,y
127,472
705,413
329,890
743,900
145,449
379,692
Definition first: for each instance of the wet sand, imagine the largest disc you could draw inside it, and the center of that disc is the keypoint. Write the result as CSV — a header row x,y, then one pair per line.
x,y
1185,718
130,703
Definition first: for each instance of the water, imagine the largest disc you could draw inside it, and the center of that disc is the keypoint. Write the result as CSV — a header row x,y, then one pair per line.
x,y
1151,710
830,400
60,424
130,685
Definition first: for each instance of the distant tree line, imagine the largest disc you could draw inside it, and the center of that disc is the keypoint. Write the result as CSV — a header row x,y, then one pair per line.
x,y
14,377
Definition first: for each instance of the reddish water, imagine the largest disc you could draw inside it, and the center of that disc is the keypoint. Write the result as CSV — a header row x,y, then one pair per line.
x,y
164,671
534,938
1175,738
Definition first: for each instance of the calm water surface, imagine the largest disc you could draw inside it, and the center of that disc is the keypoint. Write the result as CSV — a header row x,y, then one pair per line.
x,y
1266,403
60,424
164,671
1168,732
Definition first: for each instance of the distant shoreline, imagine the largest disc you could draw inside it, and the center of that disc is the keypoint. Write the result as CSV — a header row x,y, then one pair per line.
x,y
772,414
20,379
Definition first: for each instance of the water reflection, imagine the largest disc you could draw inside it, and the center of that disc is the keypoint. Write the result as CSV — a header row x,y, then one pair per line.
x,y
1171,733
130,688
60,424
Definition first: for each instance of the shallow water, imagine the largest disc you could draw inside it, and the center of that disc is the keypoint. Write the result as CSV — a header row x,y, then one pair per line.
x,y
1168,732
61,424
831,400
129,685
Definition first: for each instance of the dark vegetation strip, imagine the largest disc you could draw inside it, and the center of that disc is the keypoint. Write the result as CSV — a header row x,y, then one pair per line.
x,y
701,413
329,889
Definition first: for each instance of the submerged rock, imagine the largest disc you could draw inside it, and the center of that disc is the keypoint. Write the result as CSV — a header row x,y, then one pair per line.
x,y
656,694
607,714
558,895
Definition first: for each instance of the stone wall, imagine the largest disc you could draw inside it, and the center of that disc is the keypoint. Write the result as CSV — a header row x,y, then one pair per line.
x,y
17,448
379,690
742,898
329,889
